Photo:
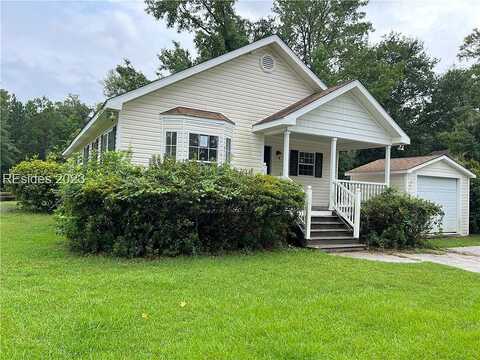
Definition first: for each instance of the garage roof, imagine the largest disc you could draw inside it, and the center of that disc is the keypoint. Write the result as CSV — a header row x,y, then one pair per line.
x,y
407,165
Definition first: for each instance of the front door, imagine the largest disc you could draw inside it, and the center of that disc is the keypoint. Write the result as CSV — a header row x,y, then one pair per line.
x,y
267,158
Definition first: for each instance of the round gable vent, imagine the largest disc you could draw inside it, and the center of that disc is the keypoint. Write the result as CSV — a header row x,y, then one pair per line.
x,y
267,63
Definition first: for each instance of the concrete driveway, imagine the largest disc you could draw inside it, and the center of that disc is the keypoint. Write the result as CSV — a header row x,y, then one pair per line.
x,y
466,258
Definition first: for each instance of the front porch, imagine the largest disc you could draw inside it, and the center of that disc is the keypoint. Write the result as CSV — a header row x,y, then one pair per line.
x,y
312,161
303,142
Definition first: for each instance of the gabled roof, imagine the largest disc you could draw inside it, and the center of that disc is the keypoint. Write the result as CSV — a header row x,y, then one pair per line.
x,y
116,102
180,110
301,103
289,115
408,165
399,164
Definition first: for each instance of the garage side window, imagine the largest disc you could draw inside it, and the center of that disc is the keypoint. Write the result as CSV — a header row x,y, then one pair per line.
x,y
171,144
203,147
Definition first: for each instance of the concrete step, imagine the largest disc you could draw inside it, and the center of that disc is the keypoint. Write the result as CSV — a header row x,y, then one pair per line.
x,y
333,240
337,247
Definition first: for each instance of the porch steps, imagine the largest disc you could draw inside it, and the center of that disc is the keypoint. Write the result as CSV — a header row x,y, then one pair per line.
x,y
329,233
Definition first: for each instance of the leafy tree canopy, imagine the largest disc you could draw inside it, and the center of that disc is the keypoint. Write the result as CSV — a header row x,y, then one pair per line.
x,y
174,60
470,49
122,79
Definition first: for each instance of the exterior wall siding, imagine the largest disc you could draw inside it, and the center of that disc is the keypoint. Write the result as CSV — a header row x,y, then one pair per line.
x,y
344,117
320,186
239,89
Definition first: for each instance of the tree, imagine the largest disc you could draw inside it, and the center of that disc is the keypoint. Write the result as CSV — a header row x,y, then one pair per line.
x,y
8,151
217,28
174,60
323,32
470,49
122,79
38,127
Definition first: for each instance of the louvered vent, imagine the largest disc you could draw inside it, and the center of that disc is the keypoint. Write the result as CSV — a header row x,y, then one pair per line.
x,y
267,62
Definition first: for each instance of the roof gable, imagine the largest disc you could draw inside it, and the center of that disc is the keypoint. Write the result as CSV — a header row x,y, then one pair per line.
x,y
289,115
274,40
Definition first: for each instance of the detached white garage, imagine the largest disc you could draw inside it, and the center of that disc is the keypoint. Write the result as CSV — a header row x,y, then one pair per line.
x,y
437,178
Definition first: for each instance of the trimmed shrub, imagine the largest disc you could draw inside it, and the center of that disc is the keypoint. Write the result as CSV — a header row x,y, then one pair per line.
x,y
35,184
395,220
174,208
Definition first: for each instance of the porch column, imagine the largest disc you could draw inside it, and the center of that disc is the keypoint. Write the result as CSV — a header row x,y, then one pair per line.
x,y
388,149
286,152
333,168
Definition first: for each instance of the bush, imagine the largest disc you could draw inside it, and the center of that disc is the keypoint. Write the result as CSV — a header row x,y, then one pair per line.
x,y
36,184
174,208
394,220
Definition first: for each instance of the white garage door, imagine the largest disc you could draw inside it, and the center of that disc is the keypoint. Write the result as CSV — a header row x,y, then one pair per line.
x,y
442,191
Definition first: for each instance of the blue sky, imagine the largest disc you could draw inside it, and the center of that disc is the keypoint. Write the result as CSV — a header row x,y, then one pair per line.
x,y
53,48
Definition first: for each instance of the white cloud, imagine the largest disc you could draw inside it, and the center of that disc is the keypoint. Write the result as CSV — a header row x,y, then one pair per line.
x,y
56,48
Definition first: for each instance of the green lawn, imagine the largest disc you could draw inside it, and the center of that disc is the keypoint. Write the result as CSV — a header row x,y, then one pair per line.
x,y
295,304
448,242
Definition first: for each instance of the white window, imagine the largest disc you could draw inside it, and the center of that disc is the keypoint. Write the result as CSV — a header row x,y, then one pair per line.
x,y
203,147
112,134
228,150
306,163
171,144
104,143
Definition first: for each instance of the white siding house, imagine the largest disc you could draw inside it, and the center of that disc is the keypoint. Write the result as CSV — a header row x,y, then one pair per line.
x,y
437,178
258,107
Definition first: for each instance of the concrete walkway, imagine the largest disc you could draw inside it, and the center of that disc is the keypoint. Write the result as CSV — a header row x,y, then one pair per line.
x,y
466,258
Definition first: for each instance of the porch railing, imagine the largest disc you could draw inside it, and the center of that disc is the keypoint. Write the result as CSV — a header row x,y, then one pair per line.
x,y
368,190
347,204
307,212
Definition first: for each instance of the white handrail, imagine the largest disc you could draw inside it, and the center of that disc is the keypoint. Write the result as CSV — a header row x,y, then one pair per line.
x,y
368,189
308,212
347,205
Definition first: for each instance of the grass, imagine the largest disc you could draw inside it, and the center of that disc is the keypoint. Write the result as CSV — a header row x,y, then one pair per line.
x,y
292,304
449,242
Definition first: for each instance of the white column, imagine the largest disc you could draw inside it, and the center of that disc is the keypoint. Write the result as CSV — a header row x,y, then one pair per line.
x,y
388,149
286,152
333,169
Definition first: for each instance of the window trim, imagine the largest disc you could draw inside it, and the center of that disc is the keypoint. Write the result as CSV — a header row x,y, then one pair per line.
x,y
174,146
308,164
208,147
228,150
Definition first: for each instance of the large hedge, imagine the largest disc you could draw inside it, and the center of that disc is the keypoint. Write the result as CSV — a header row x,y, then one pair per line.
x,y
35,184
174,208
397,220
